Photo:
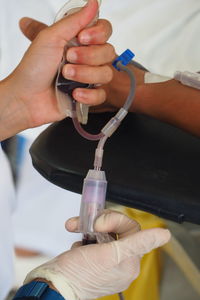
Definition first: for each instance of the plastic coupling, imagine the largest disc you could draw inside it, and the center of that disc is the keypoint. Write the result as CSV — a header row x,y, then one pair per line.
x,y
114,123
188,78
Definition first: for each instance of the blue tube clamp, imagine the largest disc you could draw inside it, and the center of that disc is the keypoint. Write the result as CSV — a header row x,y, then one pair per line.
x,y
124,59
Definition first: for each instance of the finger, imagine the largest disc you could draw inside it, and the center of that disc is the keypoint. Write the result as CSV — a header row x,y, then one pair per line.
x,y
70,26
91,55
76,245
72,224
88,74
97,34
90,96
30,27
109,221
141,242
113,221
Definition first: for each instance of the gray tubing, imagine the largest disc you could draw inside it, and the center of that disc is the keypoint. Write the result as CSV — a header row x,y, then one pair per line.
x,y
131,95
137,65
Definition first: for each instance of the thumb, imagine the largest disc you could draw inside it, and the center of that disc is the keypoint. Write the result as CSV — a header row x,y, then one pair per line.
x,y
116,222
142,242
69,27
30,27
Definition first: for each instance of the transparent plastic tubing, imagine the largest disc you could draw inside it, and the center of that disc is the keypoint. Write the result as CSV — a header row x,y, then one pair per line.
x,y
131,95
188,78
79,128
127,104
137,65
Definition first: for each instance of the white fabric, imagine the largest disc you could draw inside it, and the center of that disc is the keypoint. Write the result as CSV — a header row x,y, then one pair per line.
x,y
162,34
6,238
42,211
153,78
24,265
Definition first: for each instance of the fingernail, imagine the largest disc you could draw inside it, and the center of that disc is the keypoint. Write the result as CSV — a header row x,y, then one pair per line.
x,y
80,94
168,234
85,38
26,21
88,2
72,56
69,72
72,224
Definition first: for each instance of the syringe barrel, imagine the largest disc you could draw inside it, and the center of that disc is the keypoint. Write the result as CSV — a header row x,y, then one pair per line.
x,y
93,199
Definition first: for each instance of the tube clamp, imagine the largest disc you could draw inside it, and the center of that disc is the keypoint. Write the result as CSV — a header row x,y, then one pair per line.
x,y
124,59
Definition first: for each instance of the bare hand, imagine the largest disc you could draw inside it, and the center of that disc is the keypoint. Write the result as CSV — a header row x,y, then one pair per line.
x,y
32,81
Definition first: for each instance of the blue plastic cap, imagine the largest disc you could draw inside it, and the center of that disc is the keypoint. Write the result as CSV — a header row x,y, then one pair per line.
x,y
124,59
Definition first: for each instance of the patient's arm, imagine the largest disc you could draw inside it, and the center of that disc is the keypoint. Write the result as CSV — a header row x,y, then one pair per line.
x,y
168,101
171,102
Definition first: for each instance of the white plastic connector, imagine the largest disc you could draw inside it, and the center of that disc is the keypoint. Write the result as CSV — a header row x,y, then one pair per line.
x,y
188,78
110,127
114,123
121,114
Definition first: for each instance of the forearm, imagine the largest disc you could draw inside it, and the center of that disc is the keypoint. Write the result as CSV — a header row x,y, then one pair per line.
x,y
12,111
170,102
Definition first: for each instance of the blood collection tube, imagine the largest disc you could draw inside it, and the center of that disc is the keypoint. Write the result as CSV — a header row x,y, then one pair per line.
x,y
92,203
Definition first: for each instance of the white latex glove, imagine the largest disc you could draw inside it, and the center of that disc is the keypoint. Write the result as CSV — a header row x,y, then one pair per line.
x,y
93,271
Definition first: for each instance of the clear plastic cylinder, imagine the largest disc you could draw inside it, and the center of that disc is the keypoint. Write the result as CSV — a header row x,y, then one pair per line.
x,y
188,78
93,199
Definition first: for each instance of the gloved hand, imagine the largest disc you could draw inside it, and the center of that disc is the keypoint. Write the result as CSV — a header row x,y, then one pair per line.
x,y
93,271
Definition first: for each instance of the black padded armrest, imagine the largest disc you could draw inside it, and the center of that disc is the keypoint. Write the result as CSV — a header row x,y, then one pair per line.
x,y
149,165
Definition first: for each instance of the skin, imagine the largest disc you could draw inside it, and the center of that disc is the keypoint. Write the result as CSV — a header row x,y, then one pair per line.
x,y
28,96
173,103
168,101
